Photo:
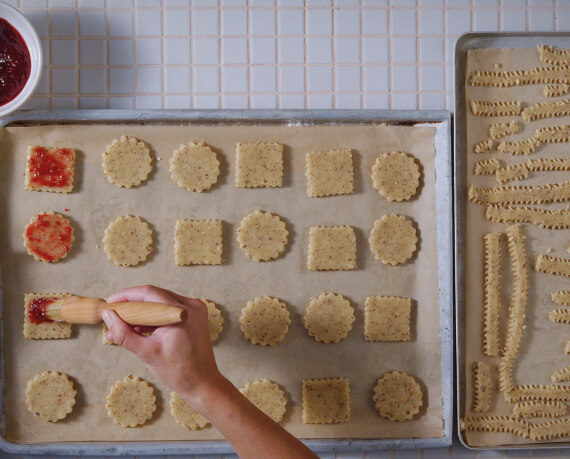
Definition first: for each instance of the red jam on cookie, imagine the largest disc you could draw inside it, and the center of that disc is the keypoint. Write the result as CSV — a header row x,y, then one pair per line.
x,y
50,169
48,237
37,310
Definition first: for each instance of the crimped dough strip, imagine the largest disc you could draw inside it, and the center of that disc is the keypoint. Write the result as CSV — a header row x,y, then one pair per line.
x,y
544,218
559,74
549,430
553,265
542,110
499,130
547,392
495,108
539,409
487,166
481,387
492,298
561,316
553,56
523,194
561,297
505,424
555,90
483,147
519,147
561,375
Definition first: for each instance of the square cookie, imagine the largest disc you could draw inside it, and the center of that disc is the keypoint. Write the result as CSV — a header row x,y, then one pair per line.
x,y
50,169
198,242
332,248
329,173
259,165
47,330
387,318
326,401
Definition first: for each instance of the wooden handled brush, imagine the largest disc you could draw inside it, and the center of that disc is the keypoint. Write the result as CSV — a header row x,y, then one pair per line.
x,y
81,310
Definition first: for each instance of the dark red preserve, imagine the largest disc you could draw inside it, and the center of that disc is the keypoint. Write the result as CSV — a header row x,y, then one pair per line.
x,y
15,62
37,310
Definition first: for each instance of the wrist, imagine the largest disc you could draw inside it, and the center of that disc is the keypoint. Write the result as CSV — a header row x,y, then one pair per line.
x,y
208,393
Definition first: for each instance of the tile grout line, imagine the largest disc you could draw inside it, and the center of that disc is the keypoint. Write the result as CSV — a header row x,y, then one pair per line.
x,y
220,51
163,53
333,47
418,70
77,63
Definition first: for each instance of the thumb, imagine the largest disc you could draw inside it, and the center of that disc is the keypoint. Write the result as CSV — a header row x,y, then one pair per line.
x,y
123,335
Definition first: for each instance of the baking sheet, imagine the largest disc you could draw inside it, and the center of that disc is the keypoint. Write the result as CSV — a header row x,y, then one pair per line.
x,y
160,202
543,341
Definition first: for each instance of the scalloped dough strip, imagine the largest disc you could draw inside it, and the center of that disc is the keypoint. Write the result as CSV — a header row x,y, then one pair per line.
x,y
567,347
528,194
539,409
544,218
553,134
561,316
559,74
522,170
520,147
553,265
486,166
548,392
492,301
555,90
510,173
481,387
483,147
495,108
561,297
505,424
561,375
542,110
550,55
551,429
500,130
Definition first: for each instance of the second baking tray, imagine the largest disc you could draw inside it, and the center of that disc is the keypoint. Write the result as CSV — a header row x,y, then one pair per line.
x,y
244,121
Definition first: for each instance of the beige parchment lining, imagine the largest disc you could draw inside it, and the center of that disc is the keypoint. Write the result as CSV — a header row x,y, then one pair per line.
x,y
542,348
87,271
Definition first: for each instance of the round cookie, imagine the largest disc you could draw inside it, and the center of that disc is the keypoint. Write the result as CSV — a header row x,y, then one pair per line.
x,y
268,397
397,396
194,166
185,414
396,175
393,239
215,320
50,396
127,161
128,241
48,237
262,236
329,317
264,321
131,401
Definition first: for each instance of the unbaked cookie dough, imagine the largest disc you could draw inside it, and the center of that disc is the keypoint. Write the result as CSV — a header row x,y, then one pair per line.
x,y
326,401
265,321
259,165
215,320
262,236
50,169
329,317
50,396
329,173
397,396
131,401
396,175
331,248
194,166
393,239
128,241
45,330
127,161
387,318
186,415
268,397
48,237
198,242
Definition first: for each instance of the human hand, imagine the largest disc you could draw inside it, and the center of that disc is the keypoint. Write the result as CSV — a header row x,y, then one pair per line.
x,y
180,355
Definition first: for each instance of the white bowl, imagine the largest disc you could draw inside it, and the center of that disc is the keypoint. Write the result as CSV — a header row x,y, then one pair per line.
x,y
28,33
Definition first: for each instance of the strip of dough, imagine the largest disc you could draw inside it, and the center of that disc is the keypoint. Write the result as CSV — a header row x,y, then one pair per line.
x,y
561,316
561,375
544,218
481,387
561,297
553,56
553,265
567,347
522,170
510,173
531,194
555,90
495,108
492,302
483,147
539,409
553,134
486,166
552,392
520,147
506,424
499,130
551,429
542,110
559,74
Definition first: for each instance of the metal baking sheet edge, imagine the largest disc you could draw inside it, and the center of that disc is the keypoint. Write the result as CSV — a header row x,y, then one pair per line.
x,y
441,120
465,43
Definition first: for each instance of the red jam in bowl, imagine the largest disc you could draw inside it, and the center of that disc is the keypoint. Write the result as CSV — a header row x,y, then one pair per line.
x,y
15,62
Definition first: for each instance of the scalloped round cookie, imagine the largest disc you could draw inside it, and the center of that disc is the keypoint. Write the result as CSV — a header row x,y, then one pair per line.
x,y
186,415
393,239
396,175
215,320
127,240
329,317
265,321
50,395
131,401
48,237
194,166
262,236
127,161
397,396
267,396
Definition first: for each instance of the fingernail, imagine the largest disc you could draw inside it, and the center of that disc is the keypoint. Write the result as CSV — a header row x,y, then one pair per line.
x,y
108,318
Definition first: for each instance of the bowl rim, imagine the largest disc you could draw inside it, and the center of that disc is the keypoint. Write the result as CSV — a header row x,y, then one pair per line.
x,y
25,28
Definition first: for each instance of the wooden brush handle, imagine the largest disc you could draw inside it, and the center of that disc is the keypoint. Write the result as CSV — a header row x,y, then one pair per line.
x,y
80,310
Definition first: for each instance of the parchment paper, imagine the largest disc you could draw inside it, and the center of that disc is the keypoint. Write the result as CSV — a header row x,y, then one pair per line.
x,y
542,348
87,271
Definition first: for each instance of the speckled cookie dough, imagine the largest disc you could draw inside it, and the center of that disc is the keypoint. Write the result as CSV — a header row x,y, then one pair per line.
x,y
329,317
387,318
186,415
215,320
131,401
262,236
194,166
329,173
259,165
326,401
331,248
396,175
127,162
198,242
393,239
265,321
128,241
50,396
268,397
397,396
